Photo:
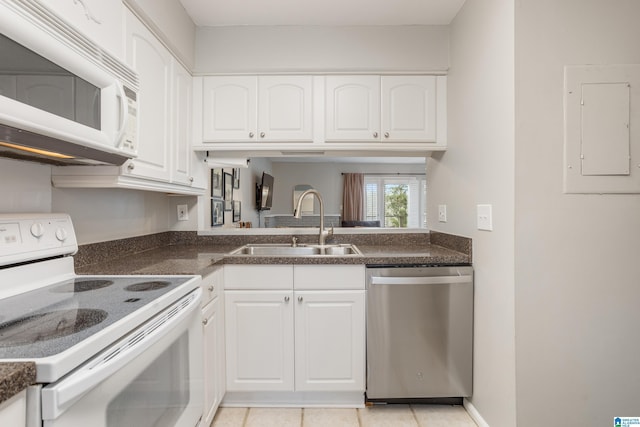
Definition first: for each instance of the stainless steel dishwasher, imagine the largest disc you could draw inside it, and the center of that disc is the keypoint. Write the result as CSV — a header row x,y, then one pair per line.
x,y
419,332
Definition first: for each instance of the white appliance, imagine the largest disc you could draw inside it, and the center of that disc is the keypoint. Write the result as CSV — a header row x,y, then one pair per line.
x,y
109,350
63,100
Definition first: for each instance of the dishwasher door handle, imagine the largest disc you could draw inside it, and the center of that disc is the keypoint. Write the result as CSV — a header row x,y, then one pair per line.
x,y
421,280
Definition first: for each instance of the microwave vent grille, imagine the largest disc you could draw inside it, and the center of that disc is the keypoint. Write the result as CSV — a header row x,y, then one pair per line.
x,y
43,18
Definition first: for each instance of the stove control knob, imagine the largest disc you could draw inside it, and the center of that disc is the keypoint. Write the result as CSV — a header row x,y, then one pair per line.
x,y
37,229
61,234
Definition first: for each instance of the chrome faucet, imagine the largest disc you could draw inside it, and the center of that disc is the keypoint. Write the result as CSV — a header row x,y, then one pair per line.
x,y
297,213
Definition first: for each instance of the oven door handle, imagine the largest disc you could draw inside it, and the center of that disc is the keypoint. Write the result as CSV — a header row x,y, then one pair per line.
x,y
59,397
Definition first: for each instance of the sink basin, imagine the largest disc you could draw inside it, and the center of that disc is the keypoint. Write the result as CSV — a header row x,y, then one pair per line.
x,y
300,250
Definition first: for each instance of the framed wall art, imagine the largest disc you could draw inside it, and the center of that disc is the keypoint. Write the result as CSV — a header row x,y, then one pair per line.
x,y
236,178
236,210
216,182
228,192
217,212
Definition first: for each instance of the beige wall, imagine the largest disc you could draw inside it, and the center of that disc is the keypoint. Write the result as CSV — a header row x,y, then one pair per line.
x,y
322,49
24,187
478,168
577,270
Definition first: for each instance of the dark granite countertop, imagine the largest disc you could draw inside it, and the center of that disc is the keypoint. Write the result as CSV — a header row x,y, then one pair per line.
x,y
15,377
202,259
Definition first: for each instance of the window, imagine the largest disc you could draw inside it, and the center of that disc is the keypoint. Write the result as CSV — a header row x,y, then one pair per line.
x,y
396,200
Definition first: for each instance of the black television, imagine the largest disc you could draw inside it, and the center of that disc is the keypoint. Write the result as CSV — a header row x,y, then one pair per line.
x,y
264,193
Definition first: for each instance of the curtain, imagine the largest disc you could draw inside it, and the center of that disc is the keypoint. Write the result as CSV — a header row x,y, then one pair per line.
x,y
353,197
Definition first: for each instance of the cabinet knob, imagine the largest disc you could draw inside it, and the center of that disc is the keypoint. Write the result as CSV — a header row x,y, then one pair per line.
x,y
205,321
262,134
251,134
131,166
190,179
375,134
386,134
210,288
299,299
286,299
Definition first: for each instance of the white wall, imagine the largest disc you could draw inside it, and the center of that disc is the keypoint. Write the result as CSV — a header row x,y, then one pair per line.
x,y
108,214
326,178
577,269
478,168
24,187
251,49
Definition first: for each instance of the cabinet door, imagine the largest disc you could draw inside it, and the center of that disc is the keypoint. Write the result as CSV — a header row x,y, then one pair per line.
x,y
352,109
330,340
211,359
285,108
99,20
230,108
259,340
13,411
408,105
181,114
152,61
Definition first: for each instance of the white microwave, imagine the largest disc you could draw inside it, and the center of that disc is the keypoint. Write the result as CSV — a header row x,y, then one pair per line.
x,y
63,100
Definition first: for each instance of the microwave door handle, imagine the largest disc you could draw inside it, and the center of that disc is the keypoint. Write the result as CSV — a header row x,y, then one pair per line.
x,y
57,398
123,113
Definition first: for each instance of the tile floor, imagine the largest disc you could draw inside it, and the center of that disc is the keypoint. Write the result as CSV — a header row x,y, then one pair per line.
x,y
375,416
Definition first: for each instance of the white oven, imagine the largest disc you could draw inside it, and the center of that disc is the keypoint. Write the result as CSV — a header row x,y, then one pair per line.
x,y
110,350
152,377
60,93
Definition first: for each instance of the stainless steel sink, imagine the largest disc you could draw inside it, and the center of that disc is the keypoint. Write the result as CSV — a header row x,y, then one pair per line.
x,y
300,250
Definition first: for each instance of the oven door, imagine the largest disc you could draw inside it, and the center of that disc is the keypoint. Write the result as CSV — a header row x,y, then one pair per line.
x,y
152,377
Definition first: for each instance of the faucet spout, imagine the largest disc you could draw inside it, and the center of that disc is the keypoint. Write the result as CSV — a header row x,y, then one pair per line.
x,y
297,213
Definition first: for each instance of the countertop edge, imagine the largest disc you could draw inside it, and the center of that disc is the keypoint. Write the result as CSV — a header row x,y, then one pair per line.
x,y
15,377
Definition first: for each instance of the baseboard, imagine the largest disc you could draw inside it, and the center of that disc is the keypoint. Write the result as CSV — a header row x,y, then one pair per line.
x,y
474,414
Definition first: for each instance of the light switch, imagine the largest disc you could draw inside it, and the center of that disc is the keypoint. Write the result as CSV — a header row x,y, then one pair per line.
x,y
485,222
442,213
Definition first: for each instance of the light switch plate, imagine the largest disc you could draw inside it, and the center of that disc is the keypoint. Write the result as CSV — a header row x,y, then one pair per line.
x,y
485,220
183,212
442,213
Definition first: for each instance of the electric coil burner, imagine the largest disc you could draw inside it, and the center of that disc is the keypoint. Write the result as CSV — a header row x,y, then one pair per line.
x,y
97,341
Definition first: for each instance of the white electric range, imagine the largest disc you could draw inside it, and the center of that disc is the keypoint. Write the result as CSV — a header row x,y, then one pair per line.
x,y
109,350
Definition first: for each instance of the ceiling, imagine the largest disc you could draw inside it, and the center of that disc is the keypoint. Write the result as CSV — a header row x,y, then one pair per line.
x,y
321,12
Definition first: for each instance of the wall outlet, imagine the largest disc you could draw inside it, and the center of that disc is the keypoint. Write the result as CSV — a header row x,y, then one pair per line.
x,y
183,212
442,213
485,220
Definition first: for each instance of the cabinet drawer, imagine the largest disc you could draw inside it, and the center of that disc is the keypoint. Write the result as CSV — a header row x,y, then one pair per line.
x,y
258,277
320,277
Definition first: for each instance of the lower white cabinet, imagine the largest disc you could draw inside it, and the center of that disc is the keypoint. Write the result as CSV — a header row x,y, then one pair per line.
x,y
13,412
213,344
295,340
259,337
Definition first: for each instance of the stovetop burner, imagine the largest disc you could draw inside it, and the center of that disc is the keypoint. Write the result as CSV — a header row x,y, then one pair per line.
x,y
84,285
147,286
48,326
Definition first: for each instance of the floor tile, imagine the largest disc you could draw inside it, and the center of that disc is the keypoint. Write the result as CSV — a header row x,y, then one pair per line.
x,y
387,416
442,416
274,417
229,417
333,417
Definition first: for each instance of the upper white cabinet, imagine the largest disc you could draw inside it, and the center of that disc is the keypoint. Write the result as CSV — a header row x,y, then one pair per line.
x,y
352,108
99,20
387,108
408,108
182,155
254,109
153,62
